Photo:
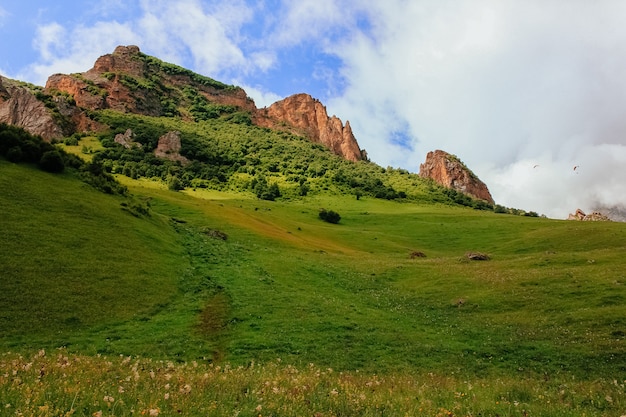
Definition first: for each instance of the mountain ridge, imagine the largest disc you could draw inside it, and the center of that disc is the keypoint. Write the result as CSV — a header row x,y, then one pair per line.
x,y
130,82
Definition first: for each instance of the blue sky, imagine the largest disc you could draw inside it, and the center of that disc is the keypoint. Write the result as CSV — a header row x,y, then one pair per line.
x,y
521,90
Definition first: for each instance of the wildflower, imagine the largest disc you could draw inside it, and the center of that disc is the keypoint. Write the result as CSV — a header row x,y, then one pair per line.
x,y
185,389
259,408
97,414
120,389
108,399
334,392
167,396
152,374
154,412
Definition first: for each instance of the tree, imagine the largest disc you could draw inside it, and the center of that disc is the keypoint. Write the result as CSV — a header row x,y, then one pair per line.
x,y
174,183
329,216
52,161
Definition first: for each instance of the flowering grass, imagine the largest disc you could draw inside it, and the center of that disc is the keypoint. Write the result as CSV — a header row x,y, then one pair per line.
x,y
61,384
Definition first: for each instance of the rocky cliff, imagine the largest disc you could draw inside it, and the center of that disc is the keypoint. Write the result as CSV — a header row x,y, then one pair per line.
x,y
447,170
20,106
129,81
302,114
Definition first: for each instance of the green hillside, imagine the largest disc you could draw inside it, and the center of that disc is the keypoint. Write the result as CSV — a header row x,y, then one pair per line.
x,y
225,262
82,272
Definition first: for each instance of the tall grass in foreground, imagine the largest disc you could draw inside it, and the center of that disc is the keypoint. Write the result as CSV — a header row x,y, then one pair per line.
x,y
61,384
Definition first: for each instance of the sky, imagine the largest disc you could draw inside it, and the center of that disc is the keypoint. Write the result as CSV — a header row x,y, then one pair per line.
x,y
530,94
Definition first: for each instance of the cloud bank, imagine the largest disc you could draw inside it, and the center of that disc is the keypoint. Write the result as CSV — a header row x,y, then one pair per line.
x,y
522,91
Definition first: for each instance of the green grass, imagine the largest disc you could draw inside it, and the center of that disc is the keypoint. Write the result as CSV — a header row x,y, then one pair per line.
x,y
80,271
85,148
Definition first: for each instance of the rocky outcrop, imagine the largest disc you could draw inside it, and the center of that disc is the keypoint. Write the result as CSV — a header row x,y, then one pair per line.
x,y
302,114
169,148
448,171
20,107
616,212
580,215
131,82
126,139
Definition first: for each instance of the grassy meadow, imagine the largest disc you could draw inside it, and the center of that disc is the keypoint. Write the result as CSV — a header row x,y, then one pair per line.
x,y
219,303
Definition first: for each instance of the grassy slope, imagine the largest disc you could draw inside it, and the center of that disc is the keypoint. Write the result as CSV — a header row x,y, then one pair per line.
x,y
287,285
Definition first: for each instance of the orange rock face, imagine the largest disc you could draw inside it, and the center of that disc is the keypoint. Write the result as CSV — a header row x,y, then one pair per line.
x,y
447,170
109,84
20,107
307,116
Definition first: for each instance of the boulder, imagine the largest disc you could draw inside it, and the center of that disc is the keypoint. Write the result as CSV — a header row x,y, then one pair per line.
x,y
169,147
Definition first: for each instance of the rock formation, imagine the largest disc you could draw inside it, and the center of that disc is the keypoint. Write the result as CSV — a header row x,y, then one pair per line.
x,y
616,212
20,107
125,81
126,139
169,148
593,217
448,171
308,116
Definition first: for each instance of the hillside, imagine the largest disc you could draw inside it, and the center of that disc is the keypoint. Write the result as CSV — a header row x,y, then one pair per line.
x,y
285,284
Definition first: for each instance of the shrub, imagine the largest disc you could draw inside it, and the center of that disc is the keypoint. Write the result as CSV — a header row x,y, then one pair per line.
x,y
15,154
329,216
264,190
52,161
174,183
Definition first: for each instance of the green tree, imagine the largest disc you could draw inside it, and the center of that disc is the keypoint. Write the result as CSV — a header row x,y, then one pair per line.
x,y
329,216
52,161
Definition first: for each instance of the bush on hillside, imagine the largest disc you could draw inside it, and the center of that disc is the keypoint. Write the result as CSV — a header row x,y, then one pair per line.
x,y
329,216
264,190
174,183
52,161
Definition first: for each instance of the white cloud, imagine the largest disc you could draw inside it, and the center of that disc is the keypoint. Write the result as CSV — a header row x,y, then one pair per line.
x,y
75,50
262,97
500,84
185,28
183,32
307,20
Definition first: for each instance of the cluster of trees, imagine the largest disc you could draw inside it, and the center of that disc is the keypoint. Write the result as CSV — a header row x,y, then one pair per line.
x,y
268,163
19,146
221,150
226,155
